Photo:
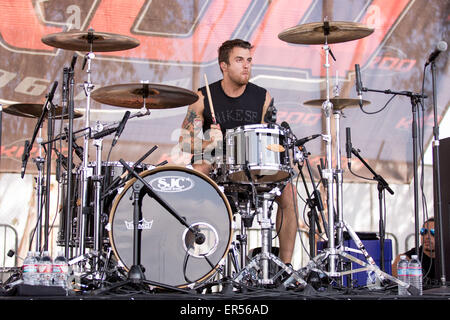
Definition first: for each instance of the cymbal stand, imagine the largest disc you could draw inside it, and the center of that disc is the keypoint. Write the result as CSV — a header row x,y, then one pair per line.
x,y
85,208
98,179
327,173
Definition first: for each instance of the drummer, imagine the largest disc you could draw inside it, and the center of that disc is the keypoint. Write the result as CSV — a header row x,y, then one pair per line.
x,y
238,102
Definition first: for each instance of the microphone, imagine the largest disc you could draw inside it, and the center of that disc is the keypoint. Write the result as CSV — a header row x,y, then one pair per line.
x,y
121,127
52,91
285,125
24,158
74,61
65,84
84,62
78,150
302,141
440,47
348,147
358,84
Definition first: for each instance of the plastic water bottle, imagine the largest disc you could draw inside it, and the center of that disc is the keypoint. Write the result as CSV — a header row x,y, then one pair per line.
x,y
45,269
30,269
60,271
402,271
415,273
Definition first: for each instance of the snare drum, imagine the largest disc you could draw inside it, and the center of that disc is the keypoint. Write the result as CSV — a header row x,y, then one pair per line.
x,y
258,150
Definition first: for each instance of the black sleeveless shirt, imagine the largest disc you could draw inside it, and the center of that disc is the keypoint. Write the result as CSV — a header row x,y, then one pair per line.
x,y
233,112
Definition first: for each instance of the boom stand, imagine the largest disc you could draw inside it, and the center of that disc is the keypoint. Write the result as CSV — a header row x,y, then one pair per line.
x,y
415,98
314,203
382,185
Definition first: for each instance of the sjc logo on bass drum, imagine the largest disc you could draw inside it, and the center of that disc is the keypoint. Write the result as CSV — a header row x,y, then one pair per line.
x,y
172,184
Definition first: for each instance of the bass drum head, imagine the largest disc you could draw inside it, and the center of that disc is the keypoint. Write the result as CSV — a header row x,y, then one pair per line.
x,y
169,253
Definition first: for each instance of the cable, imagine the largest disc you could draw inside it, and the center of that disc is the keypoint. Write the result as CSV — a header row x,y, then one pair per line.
x,y
375,112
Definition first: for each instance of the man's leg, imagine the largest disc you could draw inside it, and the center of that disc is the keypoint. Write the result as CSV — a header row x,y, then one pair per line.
x,y
286,222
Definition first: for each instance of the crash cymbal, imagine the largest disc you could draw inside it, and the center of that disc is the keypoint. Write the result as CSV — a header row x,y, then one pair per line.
x,y
314,33
338,103
81,41
133,95
34,110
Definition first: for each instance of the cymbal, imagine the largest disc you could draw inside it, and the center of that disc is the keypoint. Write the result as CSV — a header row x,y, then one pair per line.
x,y
34,110
313,33
338,103
155,96
81,41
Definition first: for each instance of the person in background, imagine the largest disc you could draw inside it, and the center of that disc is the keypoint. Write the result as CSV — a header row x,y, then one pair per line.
x,y
426,254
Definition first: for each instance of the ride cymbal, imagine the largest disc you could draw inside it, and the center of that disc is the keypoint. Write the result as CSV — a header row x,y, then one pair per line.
x,y
314,33
90,41
134,95
34,110
338,103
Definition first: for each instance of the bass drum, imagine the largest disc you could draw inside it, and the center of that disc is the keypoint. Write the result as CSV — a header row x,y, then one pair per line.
x,y
169,253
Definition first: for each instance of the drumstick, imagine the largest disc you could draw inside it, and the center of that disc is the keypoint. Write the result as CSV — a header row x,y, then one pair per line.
x,y
210,100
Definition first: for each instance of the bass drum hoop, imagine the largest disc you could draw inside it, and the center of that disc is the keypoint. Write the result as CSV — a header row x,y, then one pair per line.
x,y
167,168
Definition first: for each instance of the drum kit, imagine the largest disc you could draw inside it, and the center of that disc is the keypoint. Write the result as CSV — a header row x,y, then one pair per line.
x,y
169,226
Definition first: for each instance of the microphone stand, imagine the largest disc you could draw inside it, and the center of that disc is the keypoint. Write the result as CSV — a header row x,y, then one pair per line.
x,y
68,227
382,185
440,253
415,98
136,275
26,154
48,173
314,203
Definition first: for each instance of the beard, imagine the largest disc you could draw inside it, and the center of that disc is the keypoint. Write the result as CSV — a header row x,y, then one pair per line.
x,y
240,79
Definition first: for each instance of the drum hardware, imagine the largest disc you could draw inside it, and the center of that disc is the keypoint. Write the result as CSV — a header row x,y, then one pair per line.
x,y
381,186
261,263
136,277
326,33
88,87
48,112
90,42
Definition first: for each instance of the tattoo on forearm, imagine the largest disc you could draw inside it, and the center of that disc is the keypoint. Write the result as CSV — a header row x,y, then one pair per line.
x,y
189,120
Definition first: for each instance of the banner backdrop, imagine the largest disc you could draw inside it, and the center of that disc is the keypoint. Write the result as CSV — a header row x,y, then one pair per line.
x,y
178,45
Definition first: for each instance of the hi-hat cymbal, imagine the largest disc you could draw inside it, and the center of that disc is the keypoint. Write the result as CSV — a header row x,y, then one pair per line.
x,y
338,103
83,40
155,96
34,110
314,33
